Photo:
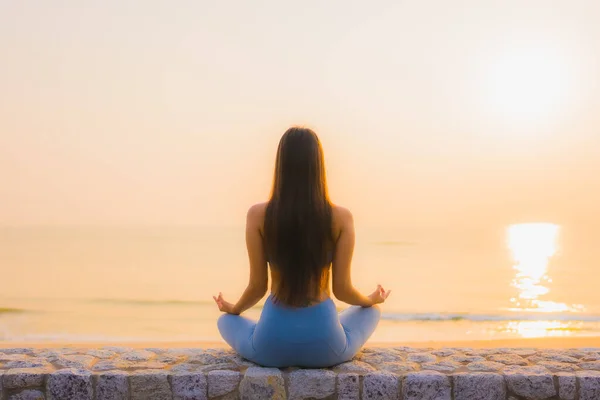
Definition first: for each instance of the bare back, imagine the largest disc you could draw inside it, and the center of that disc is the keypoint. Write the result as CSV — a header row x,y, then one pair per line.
x,y
341,253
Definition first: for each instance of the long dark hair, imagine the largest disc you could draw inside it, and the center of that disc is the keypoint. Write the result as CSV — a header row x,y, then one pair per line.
x,y
298,219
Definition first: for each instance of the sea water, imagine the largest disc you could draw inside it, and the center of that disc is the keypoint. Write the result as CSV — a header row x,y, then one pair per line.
x,y
117,284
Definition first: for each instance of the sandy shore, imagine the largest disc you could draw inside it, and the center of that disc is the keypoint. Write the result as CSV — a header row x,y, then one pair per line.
x,y
546,343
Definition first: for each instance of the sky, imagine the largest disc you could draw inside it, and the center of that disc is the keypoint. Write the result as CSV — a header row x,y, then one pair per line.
x,y
432,113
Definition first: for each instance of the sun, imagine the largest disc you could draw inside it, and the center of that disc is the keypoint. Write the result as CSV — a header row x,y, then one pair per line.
x,y
527,85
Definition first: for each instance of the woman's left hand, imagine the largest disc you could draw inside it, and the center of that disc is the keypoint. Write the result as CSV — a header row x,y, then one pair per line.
x,y
223,305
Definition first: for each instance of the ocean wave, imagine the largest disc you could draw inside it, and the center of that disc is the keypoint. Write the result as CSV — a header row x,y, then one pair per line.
x,y
441,317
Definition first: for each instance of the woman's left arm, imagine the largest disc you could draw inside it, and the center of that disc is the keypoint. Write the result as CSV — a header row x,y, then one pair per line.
x,y
259,276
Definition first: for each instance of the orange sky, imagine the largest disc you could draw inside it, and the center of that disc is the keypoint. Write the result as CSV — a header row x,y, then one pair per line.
x,y
431,113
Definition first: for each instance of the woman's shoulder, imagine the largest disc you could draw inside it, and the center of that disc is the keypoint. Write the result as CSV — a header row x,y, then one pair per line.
x,y
256,212
342,216
341,213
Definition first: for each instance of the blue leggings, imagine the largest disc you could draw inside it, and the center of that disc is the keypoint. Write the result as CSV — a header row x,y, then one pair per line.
x,y
310,337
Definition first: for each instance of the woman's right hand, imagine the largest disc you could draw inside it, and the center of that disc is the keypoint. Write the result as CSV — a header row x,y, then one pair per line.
x,y
224,306
379,295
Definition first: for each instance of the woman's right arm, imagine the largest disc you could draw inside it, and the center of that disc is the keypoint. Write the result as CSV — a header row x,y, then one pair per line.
x,y
342,260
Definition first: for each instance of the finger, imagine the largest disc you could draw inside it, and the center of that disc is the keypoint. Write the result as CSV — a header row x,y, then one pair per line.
x,y
388,294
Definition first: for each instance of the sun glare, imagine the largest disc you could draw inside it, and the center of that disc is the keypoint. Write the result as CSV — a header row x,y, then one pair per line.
x,y
532,246
528,86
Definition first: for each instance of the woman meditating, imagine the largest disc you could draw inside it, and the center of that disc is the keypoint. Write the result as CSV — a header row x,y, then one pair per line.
x,y
301,235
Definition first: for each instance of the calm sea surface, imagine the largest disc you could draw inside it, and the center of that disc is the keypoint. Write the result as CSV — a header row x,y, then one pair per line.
x,y
155,284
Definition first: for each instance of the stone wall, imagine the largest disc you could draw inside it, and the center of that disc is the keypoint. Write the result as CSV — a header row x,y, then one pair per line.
x,y
116,373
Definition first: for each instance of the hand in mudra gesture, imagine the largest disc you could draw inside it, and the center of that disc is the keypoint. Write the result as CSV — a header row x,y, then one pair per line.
x,y
379,295
223,305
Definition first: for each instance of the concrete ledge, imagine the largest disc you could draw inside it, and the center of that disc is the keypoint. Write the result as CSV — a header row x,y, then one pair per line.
x,y
118,373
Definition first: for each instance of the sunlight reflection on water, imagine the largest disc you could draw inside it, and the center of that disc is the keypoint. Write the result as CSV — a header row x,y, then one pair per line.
x,y
532,329
532,246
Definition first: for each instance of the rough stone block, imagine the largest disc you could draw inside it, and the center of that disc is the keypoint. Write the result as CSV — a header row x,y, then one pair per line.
x,y
149,384
348,386
508,359
311,384
185,368
112,386
28,394
98,353
30,363
18,350
530,382
443,352
592,365
223,382
20,378
74,361
567,386
462,358
117,349
137,355
485,366
354,366
13,357
262,383
213,356
107,365
479,386
589,385
590,357
168,358
422,357
426,385
398,367
556,356
442,366
379,356
189,386
380,386
522,352
69,384
557,366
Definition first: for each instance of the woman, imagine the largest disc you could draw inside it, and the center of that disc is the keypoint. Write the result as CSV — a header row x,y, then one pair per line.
x,y
301,235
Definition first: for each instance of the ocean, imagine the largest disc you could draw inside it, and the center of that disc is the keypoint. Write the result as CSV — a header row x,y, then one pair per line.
x,y
121,284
